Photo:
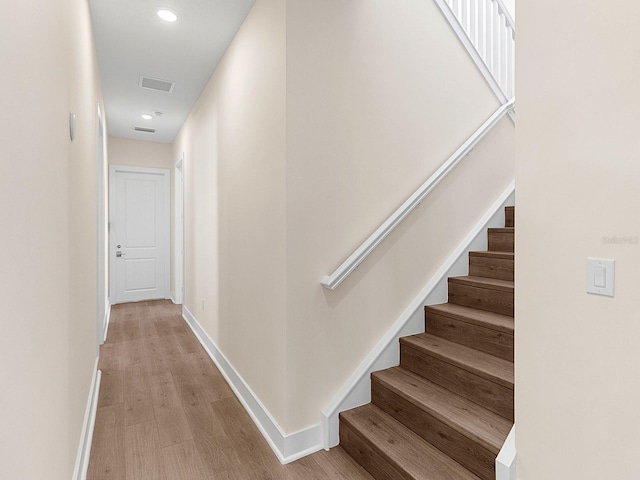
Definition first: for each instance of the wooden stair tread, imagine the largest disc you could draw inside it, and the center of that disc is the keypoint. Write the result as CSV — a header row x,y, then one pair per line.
x,y
404,449
484,282
501,229
473,421
486,253
495,321
482,364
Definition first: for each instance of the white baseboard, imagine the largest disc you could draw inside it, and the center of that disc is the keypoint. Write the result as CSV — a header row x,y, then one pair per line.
x,y
506,459
172,297
287,447
86,436
107,319
357,389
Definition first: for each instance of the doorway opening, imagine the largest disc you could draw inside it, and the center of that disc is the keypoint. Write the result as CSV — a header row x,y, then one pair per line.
x,y
139,245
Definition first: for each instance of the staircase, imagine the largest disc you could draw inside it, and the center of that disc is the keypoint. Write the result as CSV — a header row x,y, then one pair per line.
x,y
445,412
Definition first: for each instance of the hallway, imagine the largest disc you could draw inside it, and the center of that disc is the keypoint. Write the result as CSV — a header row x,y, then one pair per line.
x,y
166,412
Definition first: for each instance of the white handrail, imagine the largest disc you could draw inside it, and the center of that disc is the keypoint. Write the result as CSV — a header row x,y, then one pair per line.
x,y
355,259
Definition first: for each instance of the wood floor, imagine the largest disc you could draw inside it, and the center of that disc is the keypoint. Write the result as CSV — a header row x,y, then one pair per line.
x,y
166,413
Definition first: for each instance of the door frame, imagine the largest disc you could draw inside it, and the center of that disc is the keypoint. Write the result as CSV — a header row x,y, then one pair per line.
x,y
102,258
178,239
166,173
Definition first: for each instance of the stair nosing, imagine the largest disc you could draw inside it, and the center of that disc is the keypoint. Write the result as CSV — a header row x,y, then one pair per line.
x,y
453,421
494,254
484,282
473,316
491,376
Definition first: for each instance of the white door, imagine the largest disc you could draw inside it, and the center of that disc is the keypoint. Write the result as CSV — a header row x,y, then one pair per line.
x,y
139,245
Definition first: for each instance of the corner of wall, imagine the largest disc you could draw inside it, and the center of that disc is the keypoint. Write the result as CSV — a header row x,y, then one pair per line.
x,y
287,447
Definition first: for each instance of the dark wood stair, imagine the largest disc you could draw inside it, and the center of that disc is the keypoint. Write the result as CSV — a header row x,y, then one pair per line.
x,y
490,264
485,331
489,294
389,450
446,411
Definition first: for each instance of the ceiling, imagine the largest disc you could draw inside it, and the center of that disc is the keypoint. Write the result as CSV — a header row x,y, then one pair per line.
x,y
132,41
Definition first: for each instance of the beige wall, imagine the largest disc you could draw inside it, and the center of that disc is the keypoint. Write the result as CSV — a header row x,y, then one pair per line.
x,y
377,95
140,153
48,196
234,146
577,172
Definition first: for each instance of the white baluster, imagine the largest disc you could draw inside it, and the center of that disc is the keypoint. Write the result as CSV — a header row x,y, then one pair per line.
x,y
473,22
464,15
488,28
511,68
503,53
489,36
482,27
496,43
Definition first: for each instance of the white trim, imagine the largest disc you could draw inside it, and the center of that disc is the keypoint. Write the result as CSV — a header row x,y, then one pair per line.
x,y
357,389
287,447
177,294
507,458
101,247
107,319
332,281
86,436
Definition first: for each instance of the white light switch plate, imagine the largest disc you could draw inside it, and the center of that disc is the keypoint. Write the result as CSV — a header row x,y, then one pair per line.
x,y
600,276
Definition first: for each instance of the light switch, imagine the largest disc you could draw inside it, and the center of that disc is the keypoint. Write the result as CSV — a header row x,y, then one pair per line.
x,y
600,276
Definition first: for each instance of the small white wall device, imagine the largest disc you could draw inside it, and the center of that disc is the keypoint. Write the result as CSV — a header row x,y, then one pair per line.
x,y
72,126
600,276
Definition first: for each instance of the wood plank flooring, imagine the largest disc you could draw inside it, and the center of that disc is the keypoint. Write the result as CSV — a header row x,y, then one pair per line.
x,y
166,413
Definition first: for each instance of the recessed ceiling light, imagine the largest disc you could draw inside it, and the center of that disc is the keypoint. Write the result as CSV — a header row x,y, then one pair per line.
x,y
167,15
146,116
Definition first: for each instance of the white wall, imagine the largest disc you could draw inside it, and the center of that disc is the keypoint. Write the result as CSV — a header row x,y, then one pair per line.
x,y
234,146
48,194
577,173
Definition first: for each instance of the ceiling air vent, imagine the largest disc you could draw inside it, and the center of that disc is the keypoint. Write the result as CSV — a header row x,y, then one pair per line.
x,y
143,129
156,84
